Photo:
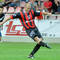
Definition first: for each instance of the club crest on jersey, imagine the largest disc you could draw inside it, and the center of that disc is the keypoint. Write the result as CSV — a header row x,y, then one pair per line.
x,y
28,16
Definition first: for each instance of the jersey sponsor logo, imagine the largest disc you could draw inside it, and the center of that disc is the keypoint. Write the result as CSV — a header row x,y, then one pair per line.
x,y
28,16
28,21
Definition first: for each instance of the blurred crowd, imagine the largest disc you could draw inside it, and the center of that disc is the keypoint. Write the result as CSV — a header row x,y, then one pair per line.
x,y
52,6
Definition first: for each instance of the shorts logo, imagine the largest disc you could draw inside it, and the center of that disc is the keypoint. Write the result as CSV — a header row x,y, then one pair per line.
x,y
32,33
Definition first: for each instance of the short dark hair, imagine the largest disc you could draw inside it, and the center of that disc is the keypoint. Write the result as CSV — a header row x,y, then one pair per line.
x,y
1,6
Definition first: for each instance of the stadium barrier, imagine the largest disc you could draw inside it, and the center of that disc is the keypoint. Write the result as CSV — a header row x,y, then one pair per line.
x,y
13,31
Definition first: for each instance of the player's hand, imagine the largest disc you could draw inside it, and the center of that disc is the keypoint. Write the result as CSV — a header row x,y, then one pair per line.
x,y
13,0
49,14
1,23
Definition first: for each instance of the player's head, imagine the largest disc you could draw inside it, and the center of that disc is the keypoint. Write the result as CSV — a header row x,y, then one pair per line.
x,y
1,9
27,7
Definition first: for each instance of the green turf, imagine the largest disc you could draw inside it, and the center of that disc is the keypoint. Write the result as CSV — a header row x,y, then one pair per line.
x,y
20,51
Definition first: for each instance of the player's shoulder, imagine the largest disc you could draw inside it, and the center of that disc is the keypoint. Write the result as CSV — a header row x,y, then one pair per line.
x,y
1,15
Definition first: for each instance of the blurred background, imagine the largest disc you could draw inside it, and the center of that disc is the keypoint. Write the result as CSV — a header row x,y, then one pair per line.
x,y
50,23
16,45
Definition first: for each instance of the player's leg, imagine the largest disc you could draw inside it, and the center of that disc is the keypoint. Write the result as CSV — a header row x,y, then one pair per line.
x,y
40,42
36,48
37,38
38,45
0,36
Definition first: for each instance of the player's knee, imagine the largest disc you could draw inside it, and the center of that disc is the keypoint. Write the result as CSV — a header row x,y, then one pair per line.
x,y
38,40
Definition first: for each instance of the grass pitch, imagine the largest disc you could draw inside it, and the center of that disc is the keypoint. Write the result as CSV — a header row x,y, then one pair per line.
x,y
20,51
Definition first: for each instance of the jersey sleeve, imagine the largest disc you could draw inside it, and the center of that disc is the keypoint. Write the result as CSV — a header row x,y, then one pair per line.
x,y
38,13
15,16
5,4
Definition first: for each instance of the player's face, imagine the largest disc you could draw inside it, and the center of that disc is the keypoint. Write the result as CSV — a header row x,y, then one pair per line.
x,y
1,10
28,7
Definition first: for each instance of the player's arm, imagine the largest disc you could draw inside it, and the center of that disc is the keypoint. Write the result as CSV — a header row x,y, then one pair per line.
x,y
5,20
46,13
8,2
10,17
38,13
